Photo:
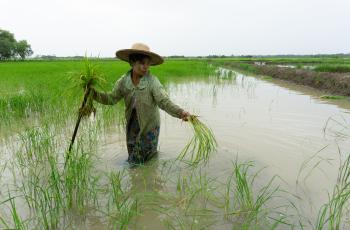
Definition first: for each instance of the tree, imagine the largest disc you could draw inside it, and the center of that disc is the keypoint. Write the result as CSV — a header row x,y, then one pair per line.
x,y
23,49
7,44
10,48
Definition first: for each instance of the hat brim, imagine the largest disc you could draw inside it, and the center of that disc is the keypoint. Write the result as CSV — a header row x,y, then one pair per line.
x,y
123,54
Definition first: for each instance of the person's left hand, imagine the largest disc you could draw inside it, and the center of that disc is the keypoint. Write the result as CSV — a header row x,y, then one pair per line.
x,y
185,115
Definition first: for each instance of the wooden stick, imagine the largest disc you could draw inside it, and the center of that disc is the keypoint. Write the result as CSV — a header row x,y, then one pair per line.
x,y
86,95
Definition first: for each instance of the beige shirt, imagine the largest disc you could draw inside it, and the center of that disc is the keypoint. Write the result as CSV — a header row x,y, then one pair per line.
x,y
148,95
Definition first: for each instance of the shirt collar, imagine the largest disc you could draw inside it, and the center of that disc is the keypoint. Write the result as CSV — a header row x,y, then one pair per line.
x,y
142,84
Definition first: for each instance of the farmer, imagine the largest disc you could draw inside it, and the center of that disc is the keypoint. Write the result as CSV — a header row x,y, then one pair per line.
x,y
142,94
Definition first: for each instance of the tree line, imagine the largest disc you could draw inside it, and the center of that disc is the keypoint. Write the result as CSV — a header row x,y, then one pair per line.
x,y
10,48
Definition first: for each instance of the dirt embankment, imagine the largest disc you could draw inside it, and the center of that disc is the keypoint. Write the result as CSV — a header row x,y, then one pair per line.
x,y
335,83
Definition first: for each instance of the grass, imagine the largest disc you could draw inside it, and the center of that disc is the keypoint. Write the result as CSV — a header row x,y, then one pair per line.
x,y
268,78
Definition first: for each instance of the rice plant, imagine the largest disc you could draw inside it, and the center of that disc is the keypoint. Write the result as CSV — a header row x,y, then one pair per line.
x,y
79,181
333,68
88,77
193,204
332,215
248,208
201,145
15,218
121,206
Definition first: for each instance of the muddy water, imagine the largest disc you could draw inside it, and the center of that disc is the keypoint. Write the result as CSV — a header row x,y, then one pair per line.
x,y
281,126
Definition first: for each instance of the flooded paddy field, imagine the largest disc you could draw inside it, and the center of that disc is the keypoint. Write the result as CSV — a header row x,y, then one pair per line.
x,y
278,163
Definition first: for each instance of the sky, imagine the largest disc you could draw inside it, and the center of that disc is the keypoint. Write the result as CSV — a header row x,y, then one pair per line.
x,y
180,27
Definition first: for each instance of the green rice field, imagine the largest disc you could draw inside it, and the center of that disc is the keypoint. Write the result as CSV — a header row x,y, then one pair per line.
x,y
281,161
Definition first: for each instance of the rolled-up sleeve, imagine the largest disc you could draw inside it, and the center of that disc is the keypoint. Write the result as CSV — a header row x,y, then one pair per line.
x,y
109,98
163,101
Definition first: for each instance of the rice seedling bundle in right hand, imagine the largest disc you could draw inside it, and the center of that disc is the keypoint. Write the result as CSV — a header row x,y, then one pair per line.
x,y
201,146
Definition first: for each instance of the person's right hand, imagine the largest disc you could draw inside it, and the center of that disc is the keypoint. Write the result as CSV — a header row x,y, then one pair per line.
x,y
185,115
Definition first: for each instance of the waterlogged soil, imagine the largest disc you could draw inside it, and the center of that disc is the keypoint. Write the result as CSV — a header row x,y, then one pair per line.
x,y
285,129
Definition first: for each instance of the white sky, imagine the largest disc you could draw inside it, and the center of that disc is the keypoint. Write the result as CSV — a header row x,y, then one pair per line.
x,y
180,27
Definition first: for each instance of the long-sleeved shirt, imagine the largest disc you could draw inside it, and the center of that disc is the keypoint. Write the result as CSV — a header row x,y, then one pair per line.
x,y
147,96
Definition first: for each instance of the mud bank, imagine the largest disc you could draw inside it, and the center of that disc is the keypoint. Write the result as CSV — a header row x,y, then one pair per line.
x,y
335,83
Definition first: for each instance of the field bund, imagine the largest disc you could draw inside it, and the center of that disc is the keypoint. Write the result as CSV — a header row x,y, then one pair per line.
x,y
334,83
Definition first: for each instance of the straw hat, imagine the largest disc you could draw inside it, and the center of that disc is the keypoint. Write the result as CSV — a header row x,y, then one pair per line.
x,y
139,48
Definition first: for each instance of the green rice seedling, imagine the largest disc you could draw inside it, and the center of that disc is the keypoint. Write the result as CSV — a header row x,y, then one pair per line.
x,y
41,186
47,208
116,192
333,68
310,164
193,204
112,116
88,77
21,105
79,181
17,220
201,145
333,215
121,206
196,186
246,207
121,218
36,143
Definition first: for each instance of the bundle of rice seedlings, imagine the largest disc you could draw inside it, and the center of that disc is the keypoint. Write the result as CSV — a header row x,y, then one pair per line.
x,y
201,145
88,77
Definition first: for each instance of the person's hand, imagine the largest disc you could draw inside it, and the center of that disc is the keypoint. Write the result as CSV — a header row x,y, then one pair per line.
x,y
185,115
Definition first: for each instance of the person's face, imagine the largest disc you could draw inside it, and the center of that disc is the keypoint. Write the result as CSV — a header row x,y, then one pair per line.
x,y
141,67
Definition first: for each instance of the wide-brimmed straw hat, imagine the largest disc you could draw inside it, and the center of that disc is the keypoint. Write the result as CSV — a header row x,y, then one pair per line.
x,y
139,48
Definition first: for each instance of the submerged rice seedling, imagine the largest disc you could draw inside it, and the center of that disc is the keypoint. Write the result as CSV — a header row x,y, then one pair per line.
x,y
201,145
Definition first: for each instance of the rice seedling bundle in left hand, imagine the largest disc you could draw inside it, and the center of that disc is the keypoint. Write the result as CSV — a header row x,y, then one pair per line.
x,y
87,79
202,145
